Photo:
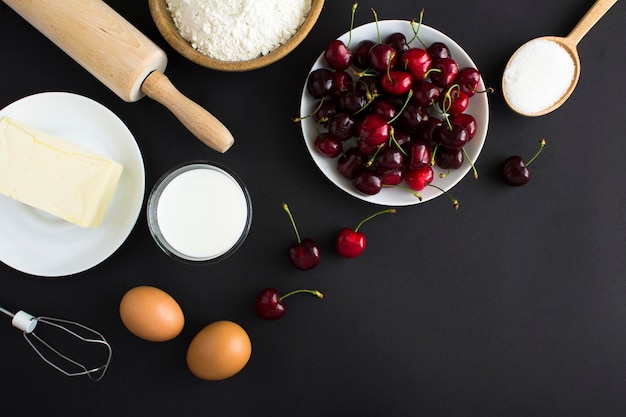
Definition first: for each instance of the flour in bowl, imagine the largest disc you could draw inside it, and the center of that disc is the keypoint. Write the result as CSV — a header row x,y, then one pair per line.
x,y
237,30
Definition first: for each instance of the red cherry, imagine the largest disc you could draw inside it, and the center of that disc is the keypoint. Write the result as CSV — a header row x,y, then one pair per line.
x,y
269,304
337,55
368,85
418,154
373,129
468,79
351,101
401,136
449,158
438,50
398,42
413,117
351,243
351,163
328,145
361,53
467,121
319,82
418,179
325,111
342,125
515,172
384,108
396,83
388,160
342,83
417,62
305,254
382,57
426,132
368,149
368,182
454,101
392,178
454,136
425,93
443,72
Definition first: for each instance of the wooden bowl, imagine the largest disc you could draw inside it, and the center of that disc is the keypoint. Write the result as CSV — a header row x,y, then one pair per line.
x,y
164,22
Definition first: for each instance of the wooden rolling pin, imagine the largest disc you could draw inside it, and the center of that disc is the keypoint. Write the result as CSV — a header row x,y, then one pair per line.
x,y
120,56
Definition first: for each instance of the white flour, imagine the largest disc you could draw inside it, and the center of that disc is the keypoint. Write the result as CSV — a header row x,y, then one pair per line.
x,y
238,30
538,75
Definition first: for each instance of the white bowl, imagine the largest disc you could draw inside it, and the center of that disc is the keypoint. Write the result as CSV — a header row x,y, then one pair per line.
x,y
478,107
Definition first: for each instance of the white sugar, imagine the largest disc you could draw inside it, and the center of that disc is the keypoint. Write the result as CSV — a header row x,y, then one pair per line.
x,y
538,75
238,30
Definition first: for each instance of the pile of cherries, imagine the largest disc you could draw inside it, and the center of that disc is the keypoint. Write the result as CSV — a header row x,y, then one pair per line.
x,y
389,111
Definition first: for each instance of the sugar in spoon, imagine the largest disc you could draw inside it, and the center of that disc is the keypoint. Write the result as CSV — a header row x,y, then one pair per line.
x,y
542,73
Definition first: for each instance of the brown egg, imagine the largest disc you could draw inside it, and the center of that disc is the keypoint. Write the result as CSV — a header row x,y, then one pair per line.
x,y
151,314
219,351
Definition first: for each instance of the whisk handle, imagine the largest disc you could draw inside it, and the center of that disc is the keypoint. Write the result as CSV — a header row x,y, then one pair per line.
x,y
24,321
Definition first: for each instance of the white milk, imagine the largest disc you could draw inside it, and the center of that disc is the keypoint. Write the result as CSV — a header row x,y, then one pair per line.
x,y
202,212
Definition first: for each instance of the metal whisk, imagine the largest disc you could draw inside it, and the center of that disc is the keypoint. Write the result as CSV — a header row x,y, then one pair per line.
x,y
62,329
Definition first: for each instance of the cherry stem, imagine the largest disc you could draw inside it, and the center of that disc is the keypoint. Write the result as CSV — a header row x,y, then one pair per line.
x,y
433,155
447,98
370,100
410,190
406,103
314,292
392,139
542,143
366,73
319,123
470,162
371,160
447,103
393,54
431,70
488,90
377,29
455,202
391,210
354,6
368,92
319,106
293,223
416,32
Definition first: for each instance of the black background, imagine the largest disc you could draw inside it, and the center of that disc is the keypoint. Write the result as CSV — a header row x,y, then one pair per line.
x,y
514,305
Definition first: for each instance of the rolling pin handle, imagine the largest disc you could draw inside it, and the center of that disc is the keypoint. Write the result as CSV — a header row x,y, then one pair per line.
x,y
194,117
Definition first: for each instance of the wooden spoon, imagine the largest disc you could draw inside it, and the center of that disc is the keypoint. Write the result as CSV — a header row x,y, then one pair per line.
x,y
569,43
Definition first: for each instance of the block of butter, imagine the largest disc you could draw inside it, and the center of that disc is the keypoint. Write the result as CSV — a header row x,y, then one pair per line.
x,y
54,175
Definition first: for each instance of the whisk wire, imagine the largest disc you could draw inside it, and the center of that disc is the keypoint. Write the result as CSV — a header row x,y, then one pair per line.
x,y
91,373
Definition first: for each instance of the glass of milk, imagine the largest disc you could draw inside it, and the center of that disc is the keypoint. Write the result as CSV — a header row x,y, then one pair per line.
x,y
199,212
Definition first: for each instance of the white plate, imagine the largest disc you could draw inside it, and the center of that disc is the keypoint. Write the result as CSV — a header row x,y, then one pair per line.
x,y
36,243
478,107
